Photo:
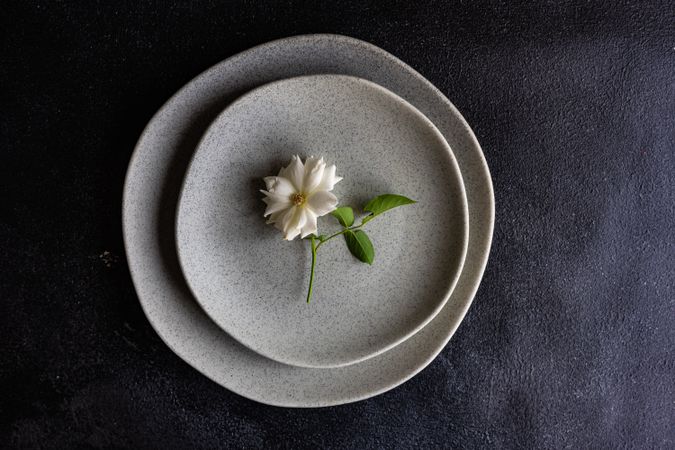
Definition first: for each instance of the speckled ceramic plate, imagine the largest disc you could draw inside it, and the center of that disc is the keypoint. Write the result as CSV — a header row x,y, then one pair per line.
x,y
151,191
253,284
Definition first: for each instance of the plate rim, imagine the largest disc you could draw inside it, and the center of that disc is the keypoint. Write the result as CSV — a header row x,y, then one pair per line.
x,y
483,245
400,337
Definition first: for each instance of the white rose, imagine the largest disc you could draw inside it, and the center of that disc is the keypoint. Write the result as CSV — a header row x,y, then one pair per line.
x,y
300,194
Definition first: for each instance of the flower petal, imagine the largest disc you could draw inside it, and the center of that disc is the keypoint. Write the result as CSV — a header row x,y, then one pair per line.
x,y
294,225
275,217
314,168
276,220
289,236
280,186
329,179
284,218
276,204
269,182
294,172
322,202
310,227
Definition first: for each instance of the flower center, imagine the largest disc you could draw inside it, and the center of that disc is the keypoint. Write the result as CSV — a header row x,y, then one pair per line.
x,y
297,199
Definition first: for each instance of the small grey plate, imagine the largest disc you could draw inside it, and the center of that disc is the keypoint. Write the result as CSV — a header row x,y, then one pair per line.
x,y
151,191
253,284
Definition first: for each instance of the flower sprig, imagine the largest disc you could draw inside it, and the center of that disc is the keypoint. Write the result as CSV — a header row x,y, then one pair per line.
x,y
357,240
301,193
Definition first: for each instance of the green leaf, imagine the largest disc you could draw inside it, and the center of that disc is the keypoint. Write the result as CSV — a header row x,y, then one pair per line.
x,y
344,215
383,203
360,246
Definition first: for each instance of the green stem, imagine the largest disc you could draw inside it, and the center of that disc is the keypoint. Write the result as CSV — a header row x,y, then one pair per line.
x,y
338,234
311,273
315,247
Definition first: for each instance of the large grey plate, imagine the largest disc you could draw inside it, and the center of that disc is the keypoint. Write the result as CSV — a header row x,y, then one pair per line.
x,y
151,190
253,284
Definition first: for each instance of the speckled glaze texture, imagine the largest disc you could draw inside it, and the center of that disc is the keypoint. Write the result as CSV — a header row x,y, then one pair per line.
x,y
151,191
253,284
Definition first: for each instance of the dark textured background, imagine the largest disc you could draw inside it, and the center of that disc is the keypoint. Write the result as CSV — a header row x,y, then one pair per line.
x,y
571,339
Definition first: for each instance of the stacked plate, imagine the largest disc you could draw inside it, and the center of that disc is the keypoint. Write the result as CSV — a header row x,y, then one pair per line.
x,y
228,295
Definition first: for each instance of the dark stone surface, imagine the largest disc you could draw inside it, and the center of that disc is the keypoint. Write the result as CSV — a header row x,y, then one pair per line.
x,y
571,339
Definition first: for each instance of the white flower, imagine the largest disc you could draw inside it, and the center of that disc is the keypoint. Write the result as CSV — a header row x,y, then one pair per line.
x,y
300,194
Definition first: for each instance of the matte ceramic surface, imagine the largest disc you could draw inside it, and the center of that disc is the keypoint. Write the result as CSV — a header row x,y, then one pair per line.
x,y
153,181
253,284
